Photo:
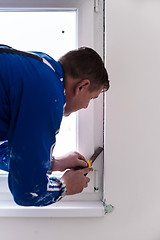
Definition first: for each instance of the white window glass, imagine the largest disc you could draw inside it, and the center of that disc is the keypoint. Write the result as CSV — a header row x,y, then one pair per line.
x,y
52,32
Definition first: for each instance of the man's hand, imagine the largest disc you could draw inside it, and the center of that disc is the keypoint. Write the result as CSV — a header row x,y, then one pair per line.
x,y
76,180
73,160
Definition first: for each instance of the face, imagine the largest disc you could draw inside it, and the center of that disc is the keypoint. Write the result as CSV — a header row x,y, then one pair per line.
x,y
80,100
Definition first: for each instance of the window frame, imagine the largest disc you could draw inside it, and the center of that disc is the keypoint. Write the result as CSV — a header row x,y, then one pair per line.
x,y
90,22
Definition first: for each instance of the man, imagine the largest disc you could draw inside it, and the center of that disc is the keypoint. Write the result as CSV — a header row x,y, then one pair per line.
x,y
35,93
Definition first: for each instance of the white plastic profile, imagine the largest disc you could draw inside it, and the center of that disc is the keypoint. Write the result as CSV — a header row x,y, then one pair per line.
x,y
60,209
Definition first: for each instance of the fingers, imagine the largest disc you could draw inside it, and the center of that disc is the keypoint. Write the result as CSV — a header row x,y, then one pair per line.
x,y
76,180
85,171
83,163
82,160
80,156
87,180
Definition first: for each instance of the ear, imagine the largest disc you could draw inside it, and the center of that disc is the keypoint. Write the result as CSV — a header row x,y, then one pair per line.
x,y
82,86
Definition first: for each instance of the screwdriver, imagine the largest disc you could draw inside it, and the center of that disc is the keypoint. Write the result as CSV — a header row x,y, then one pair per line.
x,y
94,156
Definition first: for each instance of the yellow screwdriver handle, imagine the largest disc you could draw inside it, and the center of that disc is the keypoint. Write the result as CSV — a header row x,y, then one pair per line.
x,y
89,163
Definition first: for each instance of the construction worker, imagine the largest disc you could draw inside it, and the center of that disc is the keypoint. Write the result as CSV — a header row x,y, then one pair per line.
x,y
35,93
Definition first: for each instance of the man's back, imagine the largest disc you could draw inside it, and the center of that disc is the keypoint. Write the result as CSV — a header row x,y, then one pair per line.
x,y
31,108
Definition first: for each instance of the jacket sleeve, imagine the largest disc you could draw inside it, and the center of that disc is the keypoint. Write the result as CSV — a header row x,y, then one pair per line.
x,y
36,116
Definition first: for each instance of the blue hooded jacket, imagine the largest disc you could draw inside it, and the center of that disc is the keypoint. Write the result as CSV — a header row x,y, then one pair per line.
x,y
32,102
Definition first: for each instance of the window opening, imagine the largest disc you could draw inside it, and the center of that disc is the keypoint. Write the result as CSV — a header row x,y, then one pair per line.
x,y
82,26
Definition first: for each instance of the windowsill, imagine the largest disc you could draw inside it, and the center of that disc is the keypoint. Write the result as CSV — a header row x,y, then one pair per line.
x,y
60,209
69,206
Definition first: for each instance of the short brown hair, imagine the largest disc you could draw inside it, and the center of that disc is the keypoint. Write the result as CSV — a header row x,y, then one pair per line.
x,y
85,63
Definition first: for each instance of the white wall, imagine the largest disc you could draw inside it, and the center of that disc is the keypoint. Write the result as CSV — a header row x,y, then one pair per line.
x,y
133,133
